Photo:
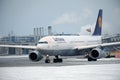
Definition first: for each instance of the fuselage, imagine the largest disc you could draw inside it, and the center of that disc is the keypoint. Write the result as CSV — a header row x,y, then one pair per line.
x,y
65,45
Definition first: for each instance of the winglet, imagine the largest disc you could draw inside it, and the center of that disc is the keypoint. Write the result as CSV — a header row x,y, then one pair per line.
x,y
98,27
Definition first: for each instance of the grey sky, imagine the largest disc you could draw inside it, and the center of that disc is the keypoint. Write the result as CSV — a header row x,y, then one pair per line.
x,y
68,16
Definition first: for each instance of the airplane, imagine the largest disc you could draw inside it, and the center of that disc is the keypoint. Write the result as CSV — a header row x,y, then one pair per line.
x,y
70,45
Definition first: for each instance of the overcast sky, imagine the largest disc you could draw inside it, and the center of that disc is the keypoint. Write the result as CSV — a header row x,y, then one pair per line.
x,y
68,16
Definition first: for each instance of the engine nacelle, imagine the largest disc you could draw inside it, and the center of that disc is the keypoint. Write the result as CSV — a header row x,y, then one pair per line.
x,y
97,53
35,56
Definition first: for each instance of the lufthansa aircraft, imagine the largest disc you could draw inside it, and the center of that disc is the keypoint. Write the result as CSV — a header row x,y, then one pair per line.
x,y
70,45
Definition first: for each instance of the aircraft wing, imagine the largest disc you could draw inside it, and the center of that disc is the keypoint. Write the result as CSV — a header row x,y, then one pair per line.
x,y
97,45
19,46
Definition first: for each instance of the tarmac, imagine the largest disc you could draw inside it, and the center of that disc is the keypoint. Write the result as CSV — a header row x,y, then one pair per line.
x,y
19,61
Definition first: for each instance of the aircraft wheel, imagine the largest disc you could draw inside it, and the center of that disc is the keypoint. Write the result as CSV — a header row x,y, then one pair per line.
x,y
58,60
91,59
47,61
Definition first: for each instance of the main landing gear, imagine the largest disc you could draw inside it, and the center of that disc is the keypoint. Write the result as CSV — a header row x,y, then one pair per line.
x,y
55,60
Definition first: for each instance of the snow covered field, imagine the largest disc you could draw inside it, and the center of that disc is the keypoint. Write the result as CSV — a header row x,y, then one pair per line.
x,y
76,72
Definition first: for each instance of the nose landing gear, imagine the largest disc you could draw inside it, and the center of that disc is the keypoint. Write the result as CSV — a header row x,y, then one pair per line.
x,y
47,60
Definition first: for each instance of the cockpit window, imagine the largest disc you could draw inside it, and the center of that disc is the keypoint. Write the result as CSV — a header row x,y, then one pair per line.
x,y
43,42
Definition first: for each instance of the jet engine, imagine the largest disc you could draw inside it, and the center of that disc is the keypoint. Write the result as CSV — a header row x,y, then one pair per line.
x,y
35,56
97,53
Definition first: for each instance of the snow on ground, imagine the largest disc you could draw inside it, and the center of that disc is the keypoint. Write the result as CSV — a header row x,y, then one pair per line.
x,y
78,72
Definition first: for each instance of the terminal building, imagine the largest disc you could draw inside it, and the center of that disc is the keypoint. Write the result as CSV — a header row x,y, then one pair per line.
x,y
111,39
16,40
23,40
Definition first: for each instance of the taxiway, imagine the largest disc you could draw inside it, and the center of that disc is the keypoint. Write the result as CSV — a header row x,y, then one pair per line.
x,y
19,61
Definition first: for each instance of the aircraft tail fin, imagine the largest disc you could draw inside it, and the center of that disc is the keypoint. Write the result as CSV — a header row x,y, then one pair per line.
x,y
98,27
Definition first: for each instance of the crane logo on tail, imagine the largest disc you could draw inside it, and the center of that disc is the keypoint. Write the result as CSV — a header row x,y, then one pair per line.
x,y
100,21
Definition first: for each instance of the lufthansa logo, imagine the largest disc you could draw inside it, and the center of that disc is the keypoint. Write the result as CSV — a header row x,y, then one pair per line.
x,y
59,39
100,21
